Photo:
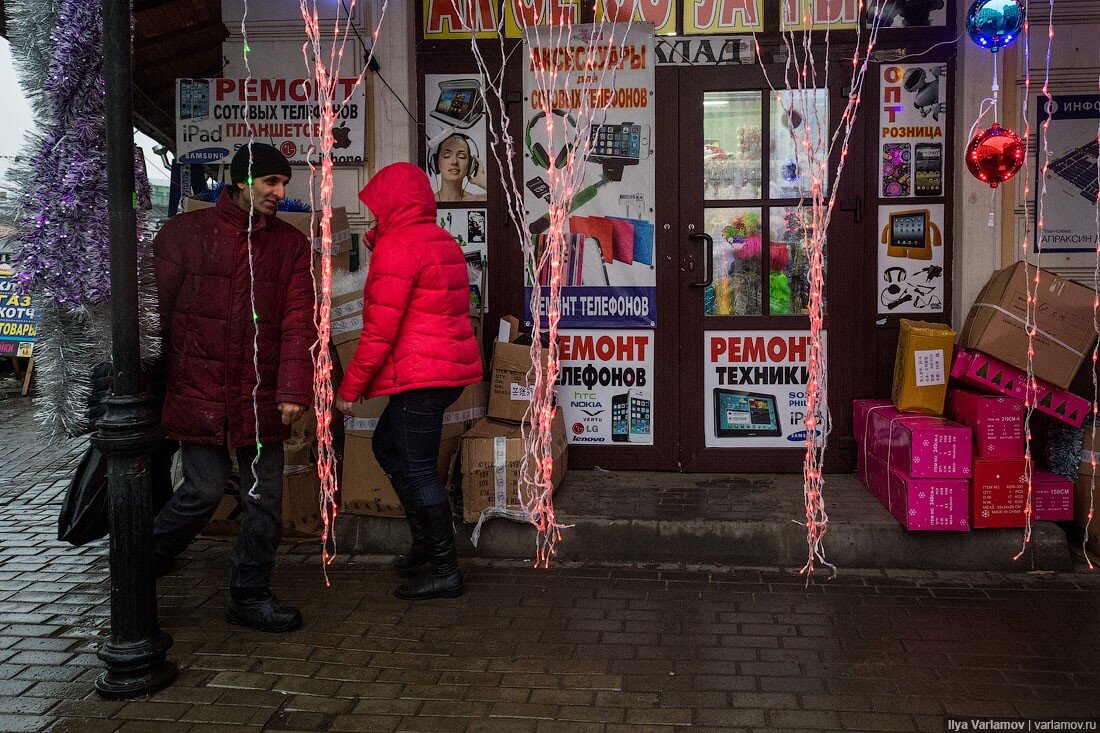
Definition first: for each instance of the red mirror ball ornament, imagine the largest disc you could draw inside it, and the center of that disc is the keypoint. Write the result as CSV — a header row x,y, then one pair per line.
x,y
994,155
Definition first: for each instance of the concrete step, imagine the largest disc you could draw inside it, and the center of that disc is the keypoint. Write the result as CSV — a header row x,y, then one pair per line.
x,y
737,520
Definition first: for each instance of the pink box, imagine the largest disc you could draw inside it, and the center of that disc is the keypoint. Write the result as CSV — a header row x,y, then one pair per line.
x,y
1051,496
997,422
994,375
920,503
920,446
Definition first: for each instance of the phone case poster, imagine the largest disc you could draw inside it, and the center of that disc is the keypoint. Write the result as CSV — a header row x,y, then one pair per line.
x,y
468,227
215,117
755,388
455,155
596,89
910,259
1069,208
912,121
606,386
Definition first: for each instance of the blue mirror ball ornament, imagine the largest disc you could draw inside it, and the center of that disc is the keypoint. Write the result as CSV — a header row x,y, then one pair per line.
x,y
993,24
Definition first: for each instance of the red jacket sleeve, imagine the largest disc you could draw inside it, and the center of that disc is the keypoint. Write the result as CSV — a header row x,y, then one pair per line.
x,y
168,266
390,282
298,329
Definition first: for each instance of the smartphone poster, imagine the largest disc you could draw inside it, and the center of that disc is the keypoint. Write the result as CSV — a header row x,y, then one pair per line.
x,y
910,259
1069,207
912,122
754,388
593,89
605,387
455,152
468,227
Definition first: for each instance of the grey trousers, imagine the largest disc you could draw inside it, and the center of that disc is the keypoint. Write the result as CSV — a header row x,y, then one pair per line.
x,y
205,470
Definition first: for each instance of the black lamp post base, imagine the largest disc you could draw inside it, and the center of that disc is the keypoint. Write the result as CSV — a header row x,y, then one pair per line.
x,y
134,670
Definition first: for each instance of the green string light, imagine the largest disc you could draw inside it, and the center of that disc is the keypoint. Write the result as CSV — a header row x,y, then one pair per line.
x,y
255,316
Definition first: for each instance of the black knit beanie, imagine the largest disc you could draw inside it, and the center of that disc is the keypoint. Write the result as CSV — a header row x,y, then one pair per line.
x,y
265,161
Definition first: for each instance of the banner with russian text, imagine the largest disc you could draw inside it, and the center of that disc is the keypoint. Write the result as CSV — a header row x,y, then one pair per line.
x,y
912,121
602,98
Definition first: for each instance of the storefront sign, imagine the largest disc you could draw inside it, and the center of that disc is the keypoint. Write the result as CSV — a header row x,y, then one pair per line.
x,y
601,97
215,117
660,13
521,15
704,50
912,121
455,148
754,389
1069,207
910,259
456,19
469,228
800,15
18,322
606,386
723,16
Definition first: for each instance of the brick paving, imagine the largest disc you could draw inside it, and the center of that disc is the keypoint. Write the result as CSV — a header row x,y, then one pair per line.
x,y
575,648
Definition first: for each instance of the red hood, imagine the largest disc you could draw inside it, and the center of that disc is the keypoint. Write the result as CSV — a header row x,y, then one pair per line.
x,y
399,195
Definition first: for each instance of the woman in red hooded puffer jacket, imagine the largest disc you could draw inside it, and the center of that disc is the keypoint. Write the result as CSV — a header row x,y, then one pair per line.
x,y
418,347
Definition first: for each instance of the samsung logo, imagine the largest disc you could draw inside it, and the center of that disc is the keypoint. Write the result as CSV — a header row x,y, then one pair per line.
x,y
204,155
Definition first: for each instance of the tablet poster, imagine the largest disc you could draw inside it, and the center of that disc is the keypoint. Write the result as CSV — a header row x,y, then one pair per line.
x,y
468,227
755,388
605,386
455,155
600,99
910,259
912,121
1069,207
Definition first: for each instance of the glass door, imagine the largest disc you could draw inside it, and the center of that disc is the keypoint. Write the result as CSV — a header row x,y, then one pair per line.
x,y
744,270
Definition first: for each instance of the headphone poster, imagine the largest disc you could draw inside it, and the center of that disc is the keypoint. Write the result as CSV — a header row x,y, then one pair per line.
x,y
596,85
754,388
455,154
912,123
910,259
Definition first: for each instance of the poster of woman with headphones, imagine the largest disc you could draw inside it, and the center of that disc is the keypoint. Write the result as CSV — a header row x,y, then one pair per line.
x,y
455,134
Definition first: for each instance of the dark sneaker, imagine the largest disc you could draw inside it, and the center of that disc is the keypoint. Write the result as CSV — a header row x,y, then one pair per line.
x,y
259,609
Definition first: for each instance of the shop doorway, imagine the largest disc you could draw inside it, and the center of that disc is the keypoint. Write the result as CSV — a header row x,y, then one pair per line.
x,y
739,272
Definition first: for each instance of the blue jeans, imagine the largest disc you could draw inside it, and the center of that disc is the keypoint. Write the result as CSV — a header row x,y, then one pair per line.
x,y
406,441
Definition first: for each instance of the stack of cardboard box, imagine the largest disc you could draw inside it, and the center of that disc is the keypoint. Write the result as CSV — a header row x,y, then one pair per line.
x,y
992,357
492,450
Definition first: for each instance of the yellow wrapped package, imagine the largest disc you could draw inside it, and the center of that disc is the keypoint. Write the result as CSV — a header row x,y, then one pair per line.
x,y
922,367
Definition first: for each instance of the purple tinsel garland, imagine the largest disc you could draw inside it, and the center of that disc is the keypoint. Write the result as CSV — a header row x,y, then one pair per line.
x,y
63,232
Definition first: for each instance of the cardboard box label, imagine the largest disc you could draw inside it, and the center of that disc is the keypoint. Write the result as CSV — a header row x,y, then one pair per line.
x,y
521,393
929,367
360,424
346,309
347,325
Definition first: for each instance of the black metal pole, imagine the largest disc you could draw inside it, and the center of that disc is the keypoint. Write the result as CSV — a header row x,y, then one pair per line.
x,y
136,654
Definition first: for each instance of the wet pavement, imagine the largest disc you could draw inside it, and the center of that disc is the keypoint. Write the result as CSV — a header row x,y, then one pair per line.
x,y
575,648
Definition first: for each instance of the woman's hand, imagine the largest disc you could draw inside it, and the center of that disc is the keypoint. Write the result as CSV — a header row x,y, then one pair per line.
x,y
344,406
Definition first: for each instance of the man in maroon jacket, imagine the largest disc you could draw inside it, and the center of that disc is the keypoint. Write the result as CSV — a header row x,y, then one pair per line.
x,y
236,303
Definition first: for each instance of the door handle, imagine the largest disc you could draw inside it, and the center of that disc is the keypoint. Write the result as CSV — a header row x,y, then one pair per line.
x,y
854,205
708,259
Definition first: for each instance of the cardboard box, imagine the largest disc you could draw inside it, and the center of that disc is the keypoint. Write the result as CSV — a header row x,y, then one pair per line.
x,y
1051,497
919,504
301,506
860,411
298,449
998,494
341,227
1087,489
981,370
919,446
491,455
1064,335
510,390
921,367
365,487
997,422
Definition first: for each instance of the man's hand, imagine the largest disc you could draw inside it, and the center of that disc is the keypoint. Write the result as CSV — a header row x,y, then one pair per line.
x,y
344,406
290,411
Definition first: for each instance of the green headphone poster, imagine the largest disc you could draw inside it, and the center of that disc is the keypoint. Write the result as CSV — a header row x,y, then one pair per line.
x,y
592,86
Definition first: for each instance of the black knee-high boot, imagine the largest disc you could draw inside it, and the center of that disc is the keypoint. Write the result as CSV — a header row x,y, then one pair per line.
x,y
417,554
445,580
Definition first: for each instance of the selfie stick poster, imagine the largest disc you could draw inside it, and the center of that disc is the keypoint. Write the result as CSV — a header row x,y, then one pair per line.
x,y
755,388
912,121
610,276
910,259
455,152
